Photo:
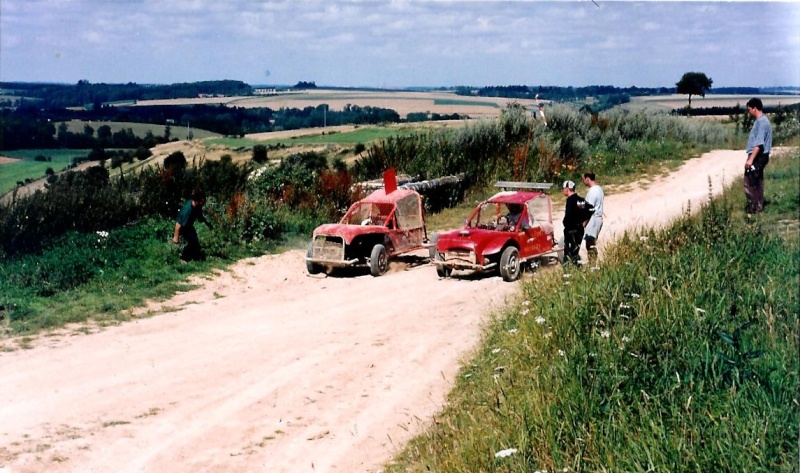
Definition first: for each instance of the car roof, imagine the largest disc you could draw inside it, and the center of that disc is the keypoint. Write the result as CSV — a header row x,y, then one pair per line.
x,y
514,197
380,197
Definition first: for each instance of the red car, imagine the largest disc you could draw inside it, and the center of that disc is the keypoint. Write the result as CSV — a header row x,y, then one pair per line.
x,y
503,233
385,224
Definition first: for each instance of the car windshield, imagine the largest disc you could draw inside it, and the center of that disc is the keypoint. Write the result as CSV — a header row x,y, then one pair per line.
x,y
367,213
496,216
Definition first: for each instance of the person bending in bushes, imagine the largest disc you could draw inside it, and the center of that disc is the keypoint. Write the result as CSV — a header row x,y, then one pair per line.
x,y
184,226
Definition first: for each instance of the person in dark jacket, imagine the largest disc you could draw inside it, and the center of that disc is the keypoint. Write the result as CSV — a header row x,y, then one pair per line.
x,y
575,219
191,212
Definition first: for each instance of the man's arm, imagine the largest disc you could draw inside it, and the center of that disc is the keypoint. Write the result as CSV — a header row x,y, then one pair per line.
x,y
175,237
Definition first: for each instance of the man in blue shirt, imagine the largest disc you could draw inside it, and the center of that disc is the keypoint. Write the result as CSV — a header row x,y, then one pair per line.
x,y
759,145
191,212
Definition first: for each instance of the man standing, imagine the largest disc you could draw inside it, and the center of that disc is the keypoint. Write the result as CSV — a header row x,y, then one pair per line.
x,y
759,145
184,227
594,196
575,218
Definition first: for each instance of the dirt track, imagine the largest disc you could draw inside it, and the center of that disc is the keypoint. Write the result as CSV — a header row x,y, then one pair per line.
x,y
267,369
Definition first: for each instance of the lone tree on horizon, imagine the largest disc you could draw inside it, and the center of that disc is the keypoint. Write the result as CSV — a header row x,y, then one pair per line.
x,y
694,83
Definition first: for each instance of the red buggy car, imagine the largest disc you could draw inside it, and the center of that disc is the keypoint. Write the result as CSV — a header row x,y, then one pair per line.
x,y
503,233
386,223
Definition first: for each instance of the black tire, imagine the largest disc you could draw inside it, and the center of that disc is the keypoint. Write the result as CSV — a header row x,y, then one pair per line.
x,y
312,268
442,271
510,268
378,260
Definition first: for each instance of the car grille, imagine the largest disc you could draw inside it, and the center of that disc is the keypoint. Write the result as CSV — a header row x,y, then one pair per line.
x,y
328,248
460,255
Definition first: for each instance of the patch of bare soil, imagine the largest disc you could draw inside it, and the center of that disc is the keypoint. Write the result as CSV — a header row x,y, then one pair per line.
x,y
264,368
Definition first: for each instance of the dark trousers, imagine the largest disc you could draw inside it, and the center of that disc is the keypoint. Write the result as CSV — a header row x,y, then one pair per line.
x,y
572,245
754,184
192,250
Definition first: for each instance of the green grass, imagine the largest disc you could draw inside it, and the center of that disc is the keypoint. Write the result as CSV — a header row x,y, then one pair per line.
x,y
360,135
140,129
465,102
680,354
27,168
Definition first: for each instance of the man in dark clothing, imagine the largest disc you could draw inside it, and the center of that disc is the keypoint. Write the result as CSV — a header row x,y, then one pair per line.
x,y
574,222
184,226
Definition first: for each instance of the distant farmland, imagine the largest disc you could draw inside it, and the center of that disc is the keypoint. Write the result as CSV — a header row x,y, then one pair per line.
x,y
141,129
671,102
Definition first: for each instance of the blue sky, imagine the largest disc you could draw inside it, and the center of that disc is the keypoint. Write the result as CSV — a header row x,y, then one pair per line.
x,y
400,43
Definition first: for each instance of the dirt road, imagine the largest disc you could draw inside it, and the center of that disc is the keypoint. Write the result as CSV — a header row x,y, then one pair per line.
x,y
265,368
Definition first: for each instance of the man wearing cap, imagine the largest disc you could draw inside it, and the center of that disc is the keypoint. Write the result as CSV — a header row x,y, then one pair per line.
x,y
759,145
594,196
574,221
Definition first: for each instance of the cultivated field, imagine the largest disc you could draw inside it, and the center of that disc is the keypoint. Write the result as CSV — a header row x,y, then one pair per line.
x,y
670,102
400,101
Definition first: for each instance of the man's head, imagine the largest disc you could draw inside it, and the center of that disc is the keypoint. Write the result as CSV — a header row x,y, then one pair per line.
x,y
754,107
588,178
568,188
199,198
514,209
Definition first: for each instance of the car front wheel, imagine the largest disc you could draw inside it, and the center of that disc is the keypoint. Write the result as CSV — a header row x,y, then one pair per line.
x,y
378,261
441,270
311,267
510,268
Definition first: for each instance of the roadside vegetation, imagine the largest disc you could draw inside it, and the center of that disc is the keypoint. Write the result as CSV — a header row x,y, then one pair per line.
x,y
90,230
680,353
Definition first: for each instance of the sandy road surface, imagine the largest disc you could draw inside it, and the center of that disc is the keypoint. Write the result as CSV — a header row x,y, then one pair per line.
x,y
267,369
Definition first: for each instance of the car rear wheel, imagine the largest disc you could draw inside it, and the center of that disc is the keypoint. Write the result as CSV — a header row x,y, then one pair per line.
x,y
378,261
311,267
510,268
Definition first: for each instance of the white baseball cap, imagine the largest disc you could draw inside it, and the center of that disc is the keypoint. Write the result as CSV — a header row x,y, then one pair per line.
x,y
568,185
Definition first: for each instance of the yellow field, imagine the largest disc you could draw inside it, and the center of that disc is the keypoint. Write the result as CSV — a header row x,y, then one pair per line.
x,y
670,102
401,102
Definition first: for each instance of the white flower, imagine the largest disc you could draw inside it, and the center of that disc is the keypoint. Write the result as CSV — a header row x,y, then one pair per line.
x,y
540,320
652,278
697,309
496,351
513,330
505,453
525,311
566,283
605,334
548,335
625,339
561,353
102,234
566,275
624,306
468,375
643,238
526,303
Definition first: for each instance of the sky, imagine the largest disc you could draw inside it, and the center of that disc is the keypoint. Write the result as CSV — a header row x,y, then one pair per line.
x,y
401,43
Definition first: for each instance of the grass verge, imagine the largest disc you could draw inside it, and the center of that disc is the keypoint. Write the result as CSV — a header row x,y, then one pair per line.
x,y
679,354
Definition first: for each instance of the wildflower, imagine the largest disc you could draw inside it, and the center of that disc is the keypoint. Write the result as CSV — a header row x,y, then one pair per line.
x,y
561,353
624,306
505,453
595,268
102,234
513,330
526,303
643,238
468,375
697,309
495,351
548,335
524,311
652,278
565,276
633,295
605,334
566,283
540,320
633,355
625,339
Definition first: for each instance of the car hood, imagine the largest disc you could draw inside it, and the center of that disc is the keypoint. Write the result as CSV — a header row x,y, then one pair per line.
x,y
483,242
348,232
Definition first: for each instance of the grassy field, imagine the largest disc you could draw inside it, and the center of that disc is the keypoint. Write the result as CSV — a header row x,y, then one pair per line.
x,y
141,129
360,135
679,354
28,168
